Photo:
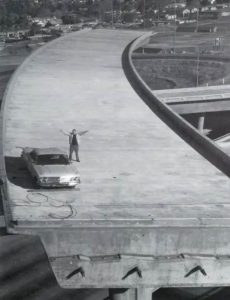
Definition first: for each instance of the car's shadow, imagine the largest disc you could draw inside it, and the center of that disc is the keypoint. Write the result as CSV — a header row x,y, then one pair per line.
x,y
18,174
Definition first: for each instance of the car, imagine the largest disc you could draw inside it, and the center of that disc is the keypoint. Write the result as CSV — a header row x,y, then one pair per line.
x,y
50,167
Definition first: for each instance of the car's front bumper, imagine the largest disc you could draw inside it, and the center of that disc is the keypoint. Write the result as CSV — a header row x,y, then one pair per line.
x,y
59,184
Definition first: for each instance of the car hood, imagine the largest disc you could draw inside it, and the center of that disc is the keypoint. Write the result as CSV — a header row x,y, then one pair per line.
x,y
56,170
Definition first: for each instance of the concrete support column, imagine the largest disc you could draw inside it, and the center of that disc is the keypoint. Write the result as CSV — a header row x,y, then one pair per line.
x,y
131,294
201,123
144,294
122,294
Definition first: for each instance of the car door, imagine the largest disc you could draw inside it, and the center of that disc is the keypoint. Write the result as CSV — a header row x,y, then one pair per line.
x,y
30,158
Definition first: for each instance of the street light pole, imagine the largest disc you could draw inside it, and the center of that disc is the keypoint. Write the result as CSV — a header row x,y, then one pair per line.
x,y
112,13
144,12
197,19
197,66
174,35
120,14
175,12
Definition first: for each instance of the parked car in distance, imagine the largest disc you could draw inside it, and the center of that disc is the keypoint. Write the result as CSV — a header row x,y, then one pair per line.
x,y
50,167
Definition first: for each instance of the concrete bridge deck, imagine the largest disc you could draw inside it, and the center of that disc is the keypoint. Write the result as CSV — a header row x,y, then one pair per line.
x,y
197,100
135,171
194,94
132,166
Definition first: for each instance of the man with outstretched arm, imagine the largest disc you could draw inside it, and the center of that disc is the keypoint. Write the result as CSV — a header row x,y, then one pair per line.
x,y
74,143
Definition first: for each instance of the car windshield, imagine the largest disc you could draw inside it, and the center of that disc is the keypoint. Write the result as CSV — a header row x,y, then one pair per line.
x,y
52,159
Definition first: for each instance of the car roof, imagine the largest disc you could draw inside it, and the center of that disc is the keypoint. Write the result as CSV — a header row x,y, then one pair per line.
x,y
47,151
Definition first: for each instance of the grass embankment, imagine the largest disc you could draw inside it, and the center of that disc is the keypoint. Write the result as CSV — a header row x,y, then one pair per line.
x,y
183,72
170,73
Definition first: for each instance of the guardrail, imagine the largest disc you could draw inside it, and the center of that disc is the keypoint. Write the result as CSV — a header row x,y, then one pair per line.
x,y
187,132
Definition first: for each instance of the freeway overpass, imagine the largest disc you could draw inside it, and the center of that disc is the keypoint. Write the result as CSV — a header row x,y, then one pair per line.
x,y
154,197
197,100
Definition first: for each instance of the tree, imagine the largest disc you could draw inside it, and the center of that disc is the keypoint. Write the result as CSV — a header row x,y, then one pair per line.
x,y
193,3
160,4
48,24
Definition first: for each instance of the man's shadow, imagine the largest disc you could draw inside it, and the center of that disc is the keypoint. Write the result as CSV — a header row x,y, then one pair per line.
x,y
18,174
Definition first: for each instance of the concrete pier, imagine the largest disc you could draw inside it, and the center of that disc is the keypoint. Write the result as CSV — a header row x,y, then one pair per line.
x,y
200,126
132,294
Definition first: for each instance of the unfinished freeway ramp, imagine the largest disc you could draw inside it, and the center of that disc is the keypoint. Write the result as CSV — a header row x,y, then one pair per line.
x,y
152,209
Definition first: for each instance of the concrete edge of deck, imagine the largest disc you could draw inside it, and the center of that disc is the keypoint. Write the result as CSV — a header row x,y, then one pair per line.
x,y
202,144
